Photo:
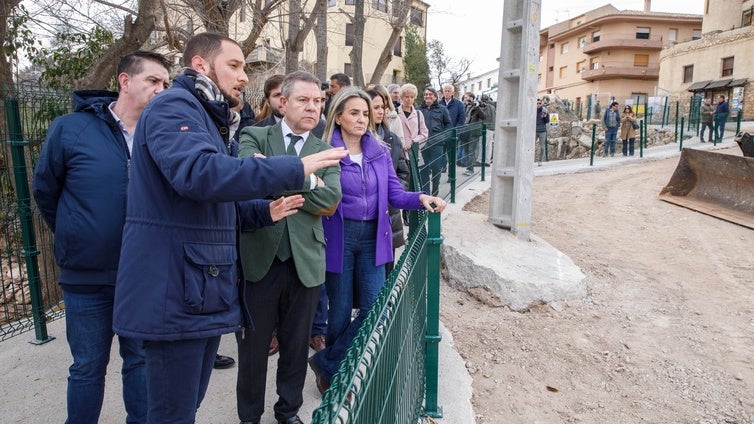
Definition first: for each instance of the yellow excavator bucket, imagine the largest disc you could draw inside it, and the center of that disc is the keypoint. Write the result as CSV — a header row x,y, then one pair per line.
x,y
714,183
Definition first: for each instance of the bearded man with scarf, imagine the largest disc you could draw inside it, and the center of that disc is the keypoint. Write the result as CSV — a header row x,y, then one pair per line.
x,y
178,276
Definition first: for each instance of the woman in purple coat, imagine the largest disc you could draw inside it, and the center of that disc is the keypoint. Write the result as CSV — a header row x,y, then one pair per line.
x,y
359,236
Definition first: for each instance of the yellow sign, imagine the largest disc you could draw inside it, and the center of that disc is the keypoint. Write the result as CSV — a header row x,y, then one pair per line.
x,y
554,120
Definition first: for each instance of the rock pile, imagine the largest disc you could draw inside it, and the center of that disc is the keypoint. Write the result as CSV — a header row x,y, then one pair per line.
x,y
14,285
572,138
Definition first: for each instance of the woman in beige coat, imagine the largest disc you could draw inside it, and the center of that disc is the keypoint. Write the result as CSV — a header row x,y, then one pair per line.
x,y
627,131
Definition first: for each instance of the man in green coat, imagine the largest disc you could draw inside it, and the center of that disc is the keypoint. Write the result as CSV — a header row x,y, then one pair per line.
x,y
284,263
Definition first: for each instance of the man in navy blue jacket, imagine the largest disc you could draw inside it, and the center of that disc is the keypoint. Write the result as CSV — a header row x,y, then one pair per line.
x,y
178,280
721,116
457,113
80,188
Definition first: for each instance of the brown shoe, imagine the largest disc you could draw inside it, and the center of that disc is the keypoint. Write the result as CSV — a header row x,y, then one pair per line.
x,y
317,342
322,383
274,347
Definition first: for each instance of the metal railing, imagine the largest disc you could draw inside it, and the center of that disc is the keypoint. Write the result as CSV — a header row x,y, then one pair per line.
x,y
30,294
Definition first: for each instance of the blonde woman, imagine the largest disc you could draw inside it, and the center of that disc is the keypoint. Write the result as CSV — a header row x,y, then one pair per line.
x,y
414,127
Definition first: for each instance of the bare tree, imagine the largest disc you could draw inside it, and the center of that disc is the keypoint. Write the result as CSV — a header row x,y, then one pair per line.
x,y
135,34
445,69
6,67
299,27
320,35
397,21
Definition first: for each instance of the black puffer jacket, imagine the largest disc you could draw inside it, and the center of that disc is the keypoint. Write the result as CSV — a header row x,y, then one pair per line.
x,y
401,169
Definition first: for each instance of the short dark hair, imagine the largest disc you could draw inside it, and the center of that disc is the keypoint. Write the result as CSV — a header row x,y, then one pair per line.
x,y
343,79
613,104
295,76
207,45
272,83
133,63
722,96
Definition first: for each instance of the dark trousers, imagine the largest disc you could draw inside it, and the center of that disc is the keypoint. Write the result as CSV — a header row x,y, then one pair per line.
x,y
278,295
711,131
319,325
177,374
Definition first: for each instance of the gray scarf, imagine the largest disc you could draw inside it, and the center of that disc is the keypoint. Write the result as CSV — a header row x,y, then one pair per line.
x,y
211,93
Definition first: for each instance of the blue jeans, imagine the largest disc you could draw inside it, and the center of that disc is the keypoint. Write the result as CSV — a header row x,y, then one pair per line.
x,y
610,135
177,378
360,278
720,126
89,330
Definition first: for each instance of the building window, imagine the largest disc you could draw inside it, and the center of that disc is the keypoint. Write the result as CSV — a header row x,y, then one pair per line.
x,y
696,34
582,41
380,5
746,17
563,71
581,66
347,69
673,35
398,47
480,85
641,60
688,73
417,17
349,35
642,33
489,82
552,46
594,63
564,48
350,2
595,36
727,67
331,3
550,68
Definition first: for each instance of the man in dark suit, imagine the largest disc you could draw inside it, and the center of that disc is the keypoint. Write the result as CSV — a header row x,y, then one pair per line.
x,y
284,264
272,94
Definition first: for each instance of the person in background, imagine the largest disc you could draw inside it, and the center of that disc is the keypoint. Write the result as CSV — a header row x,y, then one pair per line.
x,y
391,118
178,273
80,184
337,82
395,95
380,105
611,122
272,109
470,138
707,112
414,127
721,117
597,110
488,110
627,130
457,114
284,264
359,239
438,120
543,120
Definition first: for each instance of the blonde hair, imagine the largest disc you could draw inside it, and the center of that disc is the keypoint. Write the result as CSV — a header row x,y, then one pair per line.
x,y
338,105
382,91
410,89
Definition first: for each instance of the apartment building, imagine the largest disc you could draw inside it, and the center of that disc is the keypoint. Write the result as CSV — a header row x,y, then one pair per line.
x,y
609,54
268,56
719,62
485,83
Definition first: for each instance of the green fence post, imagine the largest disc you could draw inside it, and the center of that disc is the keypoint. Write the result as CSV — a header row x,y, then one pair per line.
x,y
680,144
414,185
452,164
642,124
665,113
433,338
594,135
675,134
738,120
484,149
30,251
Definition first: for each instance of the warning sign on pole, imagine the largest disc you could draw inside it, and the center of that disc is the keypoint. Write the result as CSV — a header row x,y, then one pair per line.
x,y
554,120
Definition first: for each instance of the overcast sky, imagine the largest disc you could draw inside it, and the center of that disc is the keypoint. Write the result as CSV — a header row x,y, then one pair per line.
x,y
472,28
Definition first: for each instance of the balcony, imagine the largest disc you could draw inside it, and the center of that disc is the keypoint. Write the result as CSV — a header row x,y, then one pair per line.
x,y
623,41
611,70
264,55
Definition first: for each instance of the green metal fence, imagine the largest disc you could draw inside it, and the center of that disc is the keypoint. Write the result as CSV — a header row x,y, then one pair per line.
x,y
30,295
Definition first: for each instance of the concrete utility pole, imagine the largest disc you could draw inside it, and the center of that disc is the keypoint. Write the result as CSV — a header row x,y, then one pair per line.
x,y
513,158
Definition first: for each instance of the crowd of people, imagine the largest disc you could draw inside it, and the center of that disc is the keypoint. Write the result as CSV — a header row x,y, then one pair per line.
x,y
181,215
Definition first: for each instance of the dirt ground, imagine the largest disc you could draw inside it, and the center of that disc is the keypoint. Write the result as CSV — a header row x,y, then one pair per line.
x,y
665,334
